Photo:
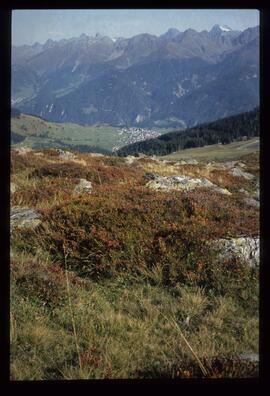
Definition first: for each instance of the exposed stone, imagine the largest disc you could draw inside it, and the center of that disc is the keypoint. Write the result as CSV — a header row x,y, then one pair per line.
x,y
96,155
65,155
150,175
251,357
239,173
141,155
223,191
83,186
252,202
24,217
130,159
247,248
243,191
241,164
229,164
192,162
13,188
181,183
23,150
256,195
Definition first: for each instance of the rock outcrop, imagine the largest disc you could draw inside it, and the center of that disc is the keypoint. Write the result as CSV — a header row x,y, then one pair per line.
x,y
249,356
130,159
65,155
246,248
13,188
24,217
23,150
185,183
83,186
252,202
239,173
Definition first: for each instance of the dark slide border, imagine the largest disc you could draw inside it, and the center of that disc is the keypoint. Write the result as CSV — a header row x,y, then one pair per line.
x,y
6,8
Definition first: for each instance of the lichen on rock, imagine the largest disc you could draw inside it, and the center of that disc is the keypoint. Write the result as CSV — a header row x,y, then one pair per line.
x,y
182,182
24,217
83,186
246,248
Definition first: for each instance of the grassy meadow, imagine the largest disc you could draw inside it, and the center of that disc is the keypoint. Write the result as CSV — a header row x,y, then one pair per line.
x,y
120,282
38,133
217,152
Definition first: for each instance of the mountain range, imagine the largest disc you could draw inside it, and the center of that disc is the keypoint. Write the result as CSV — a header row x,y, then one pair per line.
x,y
177,79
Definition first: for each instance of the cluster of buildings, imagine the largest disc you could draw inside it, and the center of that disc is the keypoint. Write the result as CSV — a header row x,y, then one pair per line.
x,y
129,135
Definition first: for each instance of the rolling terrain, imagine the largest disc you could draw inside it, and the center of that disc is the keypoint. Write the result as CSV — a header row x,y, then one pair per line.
x,y
225,130
115,272
35,132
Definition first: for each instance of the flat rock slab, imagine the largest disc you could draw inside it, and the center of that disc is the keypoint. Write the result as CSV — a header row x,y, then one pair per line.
x,y
185,183
239,173
96,155
24,217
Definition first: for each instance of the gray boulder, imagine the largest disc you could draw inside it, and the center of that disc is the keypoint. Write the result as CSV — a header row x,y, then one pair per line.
x,y
185,183
83,186
252,202
251,357
239,173
24,217
65,155
192,162
246,248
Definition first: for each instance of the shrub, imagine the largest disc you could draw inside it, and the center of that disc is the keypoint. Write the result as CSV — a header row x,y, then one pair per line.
x,y
109,233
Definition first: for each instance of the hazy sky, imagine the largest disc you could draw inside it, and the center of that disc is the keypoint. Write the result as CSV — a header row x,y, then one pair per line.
x,y
30,26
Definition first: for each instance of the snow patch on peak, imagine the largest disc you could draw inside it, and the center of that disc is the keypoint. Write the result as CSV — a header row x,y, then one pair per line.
x,y
225,28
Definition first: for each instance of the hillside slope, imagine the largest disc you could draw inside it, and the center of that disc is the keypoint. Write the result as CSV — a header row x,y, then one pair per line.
x,y
35,132
225,130
115,277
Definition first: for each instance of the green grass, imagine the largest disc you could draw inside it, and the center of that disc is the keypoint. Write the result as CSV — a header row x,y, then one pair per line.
x,y
217,152
126,328
39,133
43,133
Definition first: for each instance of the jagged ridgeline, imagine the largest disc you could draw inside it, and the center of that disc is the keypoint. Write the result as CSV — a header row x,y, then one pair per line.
x,y
223,131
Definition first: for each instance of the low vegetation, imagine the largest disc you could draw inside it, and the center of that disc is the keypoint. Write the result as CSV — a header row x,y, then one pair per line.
x,y
122,282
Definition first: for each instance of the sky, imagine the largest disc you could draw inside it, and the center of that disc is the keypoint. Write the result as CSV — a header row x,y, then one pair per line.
x,y
30,26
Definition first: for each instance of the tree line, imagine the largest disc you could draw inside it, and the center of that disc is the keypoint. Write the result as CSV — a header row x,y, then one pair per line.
x,y
224,131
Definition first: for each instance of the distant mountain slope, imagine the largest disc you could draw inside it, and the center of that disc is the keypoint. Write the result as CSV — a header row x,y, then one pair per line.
x,y
177,79
225,130
36,132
